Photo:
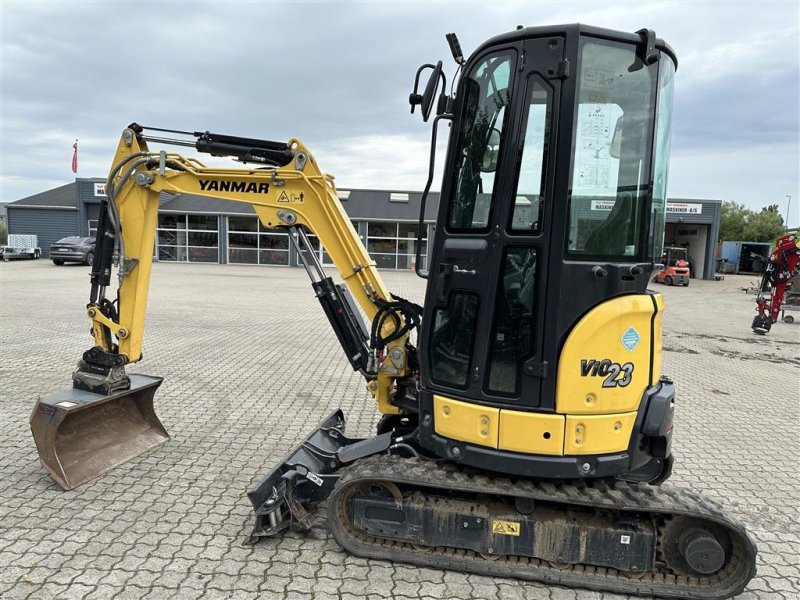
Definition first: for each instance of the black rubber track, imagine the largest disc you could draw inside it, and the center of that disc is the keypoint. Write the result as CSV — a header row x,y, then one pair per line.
x,y
641,498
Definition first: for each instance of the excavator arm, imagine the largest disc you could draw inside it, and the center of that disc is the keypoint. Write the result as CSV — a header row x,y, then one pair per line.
x,y
287,191
107,417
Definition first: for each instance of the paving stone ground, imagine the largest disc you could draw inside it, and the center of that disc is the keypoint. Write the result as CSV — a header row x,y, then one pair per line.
x,y
250,365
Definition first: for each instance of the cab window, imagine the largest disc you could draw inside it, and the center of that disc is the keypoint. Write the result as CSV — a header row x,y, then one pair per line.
x,y
609,189
487,90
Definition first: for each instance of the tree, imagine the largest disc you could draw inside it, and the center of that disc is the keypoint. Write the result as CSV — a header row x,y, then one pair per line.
x,y
763,226
739,223
3,233
732,219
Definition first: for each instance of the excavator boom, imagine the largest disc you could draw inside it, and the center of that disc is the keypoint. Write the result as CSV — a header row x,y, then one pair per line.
x,y
108,416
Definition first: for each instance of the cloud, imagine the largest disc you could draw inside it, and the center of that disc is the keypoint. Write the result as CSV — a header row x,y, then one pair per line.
x,y
337,75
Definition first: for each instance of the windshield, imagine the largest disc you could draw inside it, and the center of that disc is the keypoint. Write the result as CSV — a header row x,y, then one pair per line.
x,y
609,190
487,98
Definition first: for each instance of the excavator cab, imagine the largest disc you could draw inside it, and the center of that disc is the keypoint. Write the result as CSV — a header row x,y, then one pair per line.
x,y
549,227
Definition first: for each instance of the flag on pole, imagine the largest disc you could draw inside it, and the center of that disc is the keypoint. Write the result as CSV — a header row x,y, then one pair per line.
x,y
75,157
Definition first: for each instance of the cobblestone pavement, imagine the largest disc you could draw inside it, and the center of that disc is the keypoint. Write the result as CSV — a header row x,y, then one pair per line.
x,y
251,365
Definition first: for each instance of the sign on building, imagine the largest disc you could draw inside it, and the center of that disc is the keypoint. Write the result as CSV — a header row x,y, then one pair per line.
x,y
99,189
603,204
680,208
684,208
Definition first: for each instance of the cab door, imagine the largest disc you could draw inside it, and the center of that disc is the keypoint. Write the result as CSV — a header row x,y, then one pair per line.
x,y
482,341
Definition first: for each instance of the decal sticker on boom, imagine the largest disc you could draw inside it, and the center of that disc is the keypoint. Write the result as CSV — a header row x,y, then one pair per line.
x,y
244,187
616,375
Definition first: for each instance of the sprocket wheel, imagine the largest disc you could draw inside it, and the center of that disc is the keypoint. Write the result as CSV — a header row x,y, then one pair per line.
x,y
695,549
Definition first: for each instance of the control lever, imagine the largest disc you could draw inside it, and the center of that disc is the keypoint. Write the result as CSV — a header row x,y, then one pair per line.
x,y
599,271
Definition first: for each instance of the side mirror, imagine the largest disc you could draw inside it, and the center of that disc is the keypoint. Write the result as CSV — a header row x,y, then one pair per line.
x,y
430,91
616,140
489,162
426,99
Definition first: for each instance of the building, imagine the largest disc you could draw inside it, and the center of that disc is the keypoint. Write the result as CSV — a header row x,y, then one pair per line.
x,y
199,229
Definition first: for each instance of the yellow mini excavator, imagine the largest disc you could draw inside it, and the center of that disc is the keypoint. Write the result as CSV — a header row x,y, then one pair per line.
x,y
526,432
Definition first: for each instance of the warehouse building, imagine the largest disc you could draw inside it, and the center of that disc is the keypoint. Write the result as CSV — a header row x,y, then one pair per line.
x,y
199,229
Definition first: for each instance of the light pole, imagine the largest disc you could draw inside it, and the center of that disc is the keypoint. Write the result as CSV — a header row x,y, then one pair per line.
x,y
788,204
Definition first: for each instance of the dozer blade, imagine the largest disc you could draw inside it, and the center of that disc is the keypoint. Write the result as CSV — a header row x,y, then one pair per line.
x,y
80,435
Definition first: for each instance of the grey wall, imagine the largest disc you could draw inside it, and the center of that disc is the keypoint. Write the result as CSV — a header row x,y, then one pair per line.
x,y
50,224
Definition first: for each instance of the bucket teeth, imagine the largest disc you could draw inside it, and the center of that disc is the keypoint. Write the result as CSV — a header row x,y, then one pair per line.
x,y
80,435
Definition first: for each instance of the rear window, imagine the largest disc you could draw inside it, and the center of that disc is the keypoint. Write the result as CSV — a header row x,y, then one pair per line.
x,y
69,240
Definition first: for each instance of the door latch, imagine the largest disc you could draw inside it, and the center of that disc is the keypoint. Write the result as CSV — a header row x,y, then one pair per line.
x,y
463,271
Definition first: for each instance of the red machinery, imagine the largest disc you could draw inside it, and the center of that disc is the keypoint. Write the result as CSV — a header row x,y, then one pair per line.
x,y
676,267
783,267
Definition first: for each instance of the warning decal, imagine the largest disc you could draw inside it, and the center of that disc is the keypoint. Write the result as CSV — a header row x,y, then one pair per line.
x,y
283,197
505,527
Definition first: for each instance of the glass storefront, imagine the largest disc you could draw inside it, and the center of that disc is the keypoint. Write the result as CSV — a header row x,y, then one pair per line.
x,y
196,238
187,238
394,245
249,242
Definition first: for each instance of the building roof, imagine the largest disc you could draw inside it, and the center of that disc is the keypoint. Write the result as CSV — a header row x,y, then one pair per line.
x,y
377,205
61,197
374,205
360,204
188,203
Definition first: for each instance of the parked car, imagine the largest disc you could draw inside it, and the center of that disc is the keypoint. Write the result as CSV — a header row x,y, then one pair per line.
x,y
73,249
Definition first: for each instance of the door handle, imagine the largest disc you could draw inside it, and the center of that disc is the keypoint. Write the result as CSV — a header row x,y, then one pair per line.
x,y
463,271
445,271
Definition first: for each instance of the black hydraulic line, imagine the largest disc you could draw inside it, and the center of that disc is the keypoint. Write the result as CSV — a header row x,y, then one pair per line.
x,y
105,241
333,299
410,312
171,141
136,126
242,148
407,447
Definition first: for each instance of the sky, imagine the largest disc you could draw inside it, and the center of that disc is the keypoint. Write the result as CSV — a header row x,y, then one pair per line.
x,y
338,75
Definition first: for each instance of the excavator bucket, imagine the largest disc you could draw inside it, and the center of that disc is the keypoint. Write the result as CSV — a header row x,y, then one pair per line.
x,y
81,435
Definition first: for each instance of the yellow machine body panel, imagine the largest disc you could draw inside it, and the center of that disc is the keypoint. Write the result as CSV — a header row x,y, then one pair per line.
x,y
657,339
466,422
604,366
604,370
598,434
533,433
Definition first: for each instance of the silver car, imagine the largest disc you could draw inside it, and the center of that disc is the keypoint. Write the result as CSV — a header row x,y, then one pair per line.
x,y
73,249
